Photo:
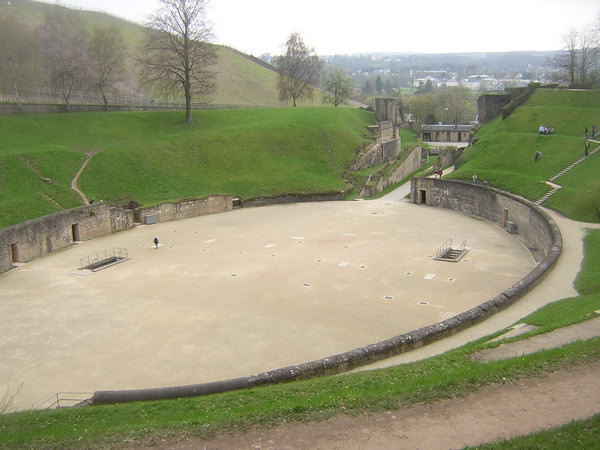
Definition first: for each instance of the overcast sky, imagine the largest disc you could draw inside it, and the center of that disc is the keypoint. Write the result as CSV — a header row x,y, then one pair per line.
x,y
361,26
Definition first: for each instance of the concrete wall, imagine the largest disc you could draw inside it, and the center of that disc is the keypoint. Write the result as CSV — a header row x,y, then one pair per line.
x,y
38,237
413,162
534,225
185,209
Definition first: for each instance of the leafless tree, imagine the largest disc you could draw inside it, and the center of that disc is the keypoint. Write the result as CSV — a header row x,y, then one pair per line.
x,y
580,56
177,53
337,87
455,104
65,51
19,55
107,54
299,70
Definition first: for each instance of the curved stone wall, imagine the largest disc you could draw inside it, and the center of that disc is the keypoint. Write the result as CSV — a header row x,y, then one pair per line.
x,y
534,226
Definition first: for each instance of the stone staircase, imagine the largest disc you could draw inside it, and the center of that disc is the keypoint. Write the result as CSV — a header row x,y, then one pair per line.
x,y
556,187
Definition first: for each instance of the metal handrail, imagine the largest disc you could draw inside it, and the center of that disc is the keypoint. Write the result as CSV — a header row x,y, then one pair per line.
x,y
60,397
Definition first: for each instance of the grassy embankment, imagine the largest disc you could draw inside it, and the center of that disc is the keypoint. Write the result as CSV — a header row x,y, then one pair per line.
x,y
444,376
504,153
155,157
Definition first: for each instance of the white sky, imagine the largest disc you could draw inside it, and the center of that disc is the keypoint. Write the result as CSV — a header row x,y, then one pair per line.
x,y
361,26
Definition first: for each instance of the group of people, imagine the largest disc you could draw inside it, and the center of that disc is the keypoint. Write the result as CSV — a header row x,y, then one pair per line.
x,y
593,134
546,130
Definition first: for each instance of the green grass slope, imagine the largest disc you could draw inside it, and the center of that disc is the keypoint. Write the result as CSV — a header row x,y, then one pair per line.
x,y
504,153
150,157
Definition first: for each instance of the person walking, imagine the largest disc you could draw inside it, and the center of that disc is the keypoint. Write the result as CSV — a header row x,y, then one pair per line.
x,y
156,242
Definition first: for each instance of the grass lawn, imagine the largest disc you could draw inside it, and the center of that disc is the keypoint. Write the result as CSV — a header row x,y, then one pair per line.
x,y
504,152
583,435
151,157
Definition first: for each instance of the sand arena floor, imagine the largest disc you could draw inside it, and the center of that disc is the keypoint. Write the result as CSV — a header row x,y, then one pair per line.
x,y
240,293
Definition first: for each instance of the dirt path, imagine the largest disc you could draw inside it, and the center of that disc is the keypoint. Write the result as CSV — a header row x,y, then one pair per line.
x,y
494,413
74,186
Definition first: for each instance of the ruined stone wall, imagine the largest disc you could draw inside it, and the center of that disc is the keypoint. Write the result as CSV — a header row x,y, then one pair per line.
x,y
38,237
184,209
377,153
385,108
413,162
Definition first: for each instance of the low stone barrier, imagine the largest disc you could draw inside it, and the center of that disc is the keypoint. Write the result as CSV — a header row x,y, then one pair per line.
x,y
184,209
535,227
291,198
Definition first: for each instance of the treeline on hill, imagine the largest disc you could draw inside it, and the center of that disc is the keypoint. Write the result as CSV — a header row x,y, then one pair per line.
x,y
59,53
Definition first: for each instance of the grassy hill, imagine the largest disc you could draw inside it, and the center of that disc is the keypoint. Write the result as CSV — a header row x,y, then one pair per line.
x,y
150,157
504,153
239,79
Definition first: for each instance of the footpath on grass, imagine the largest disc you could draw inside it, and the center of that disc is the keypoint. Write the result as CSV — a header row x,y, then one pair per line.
x,y
493,413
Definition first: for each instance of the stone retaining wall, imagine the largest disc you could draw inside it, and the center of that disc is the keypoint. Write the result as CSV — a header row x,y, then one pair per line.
x,y
412,163
37,237
292,198
184,209
533,225
377,153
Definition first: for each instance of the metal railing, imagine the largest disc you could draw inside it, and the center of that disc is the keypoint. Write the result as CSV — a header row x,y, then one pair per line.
x,y
101,258
49,96
65,400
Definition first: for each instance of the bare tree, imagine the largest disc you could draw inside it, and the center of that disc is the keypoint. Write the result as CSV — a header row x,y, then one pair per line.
x,y
65,51
19,55
580,56
455,104
337,87
107,58
177,52
299,70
